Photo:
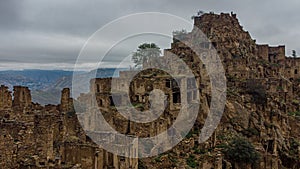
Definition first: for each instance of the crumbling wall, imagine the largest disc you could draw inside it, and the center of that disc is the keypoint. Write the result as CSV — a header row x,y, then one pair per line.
x,y
5,98
66,104
33,136
22,97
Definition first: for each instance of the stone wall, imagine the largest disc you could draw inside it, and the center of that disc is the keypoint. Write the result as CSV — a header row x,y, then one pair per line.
x,y
5,98
47,137
22,97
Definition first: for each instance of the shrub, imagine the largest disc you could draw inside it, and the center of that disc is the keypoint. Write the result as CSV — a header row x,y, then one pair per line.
x,y
158,159
296,113
241,150
251,132
141,165
200,151
191,161
257,91
294,146
71,113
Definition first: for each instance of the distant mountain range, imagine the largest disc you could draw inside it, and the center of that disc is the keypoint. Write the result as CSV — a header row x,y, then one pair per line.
x,y
46,85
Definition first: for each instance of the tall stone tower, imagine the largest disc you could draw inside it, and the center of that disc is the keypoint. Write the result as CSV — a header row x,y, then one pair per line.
x,y
22,97
66,103
5,97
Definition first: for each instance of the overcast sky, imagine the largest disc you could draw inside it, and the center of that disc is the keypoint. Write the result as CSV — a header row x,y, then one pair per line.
x,y
49,34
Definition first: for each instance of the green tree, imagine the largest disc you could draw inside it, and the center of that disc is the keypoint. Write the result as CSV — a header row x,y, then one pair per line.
x,y
145,53
241,150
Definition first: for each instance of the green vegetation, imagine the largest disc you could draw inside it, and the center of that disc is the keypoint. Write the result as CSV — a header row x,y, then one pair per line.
x,y
221,136
158,159
275,65
269,125
257,91
251,132
296,102
71,113
141,165
190,133
222,145
145,53
294,147
172,159
279,88
199,151
241,150
296,113
191,161
138,106
72,139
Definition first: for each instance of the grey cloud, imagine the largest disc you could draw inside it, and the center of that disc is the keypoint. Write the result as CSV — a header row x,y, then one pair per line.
x,y
10,14
43,32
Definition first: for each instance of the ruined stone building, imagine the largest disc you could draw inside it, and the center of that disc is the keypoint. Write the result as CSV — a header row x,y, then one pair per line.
x,y
33,136
263,93
262,90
